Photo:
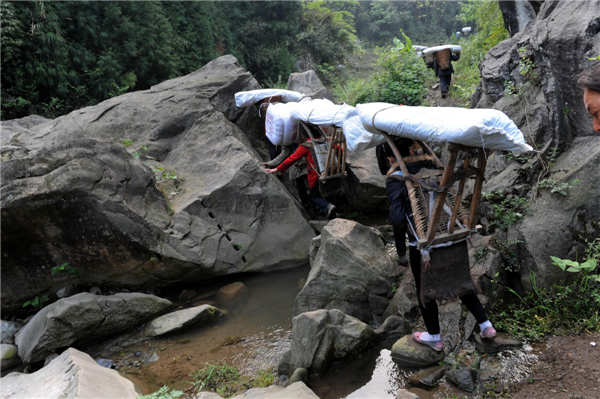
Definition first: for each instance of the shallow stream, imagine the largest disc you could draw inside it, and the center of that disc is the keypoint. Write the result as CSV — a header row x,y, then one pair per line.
x,y
254,336
251,336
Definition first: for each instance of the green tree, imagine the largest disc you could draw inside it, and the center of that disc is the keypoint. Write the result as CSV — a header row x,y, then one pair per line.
x,y
488,31
327,37
400,78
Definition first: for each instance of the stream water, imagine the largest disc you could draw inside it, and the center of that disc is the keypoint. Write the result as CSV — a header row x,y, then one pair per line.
x,y
254,336
251,336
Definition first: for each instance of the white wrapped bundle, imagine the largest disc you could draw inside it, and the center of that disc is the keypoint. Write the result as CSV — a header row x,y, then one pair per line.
x,y
358,138
248,98
280,128
452,47
484,128
322,112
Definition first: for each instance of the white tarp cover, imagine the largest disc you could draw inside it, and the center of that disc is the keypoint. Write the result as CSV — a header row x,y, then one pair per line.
x,y
484,128
452,47
247,98
280,128
358,138
322,112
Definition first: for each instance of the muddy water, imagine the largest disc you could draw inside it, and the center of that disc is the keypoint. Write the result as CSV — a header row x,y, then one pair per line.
x,y
251,336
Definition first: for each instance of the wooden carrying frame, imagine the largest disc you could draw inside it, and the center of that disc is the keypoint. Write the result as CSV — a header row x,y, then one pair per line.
x,y
433,224
335,165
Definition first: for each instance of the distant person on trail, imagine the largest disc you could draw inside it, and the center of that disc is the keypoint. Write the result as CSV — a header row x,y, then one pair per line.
x,y
445,74
401,216
303,151
589,81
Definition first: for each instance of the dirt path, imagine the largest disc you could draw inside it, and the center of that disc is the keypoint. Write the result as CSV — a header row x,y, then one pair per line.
x,y
569,368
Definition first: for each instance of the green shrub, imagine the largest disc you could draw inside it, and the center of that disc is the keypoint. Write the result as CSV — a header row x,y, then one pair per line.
x,y
505,211
400,77
163,393
488,33
227,380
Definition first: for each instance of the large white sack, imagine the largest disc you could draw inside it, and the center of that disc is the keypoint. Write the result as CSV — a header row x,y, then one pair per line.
x,y
322,112
358,138
452,47
280,128
248,98
484,128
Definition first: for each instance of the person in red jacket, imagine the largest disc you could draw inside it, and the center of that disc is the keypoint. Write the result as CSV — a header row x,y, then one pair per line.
x,y
303,151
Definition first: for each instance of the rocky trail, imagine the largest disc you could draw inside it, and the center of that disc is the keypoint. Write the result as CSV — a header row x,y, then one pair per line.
x,y
107,209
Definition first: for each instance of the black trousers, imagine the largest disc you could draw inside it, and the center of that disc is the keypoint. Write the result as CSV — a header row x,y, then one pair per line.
x,y
445,83
430,310
301,184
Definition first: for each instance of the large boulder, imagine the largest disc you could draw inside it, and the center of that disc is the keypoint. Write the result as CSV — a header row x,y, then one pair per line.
x,y
542,61
309,84
73,374
558,41
82,318
351,272
190,201
365,185
322,337
558,222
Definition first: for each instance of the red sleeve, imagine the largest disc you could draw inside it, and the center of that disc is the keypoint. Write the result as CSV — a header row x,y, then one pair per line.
x,y
292,159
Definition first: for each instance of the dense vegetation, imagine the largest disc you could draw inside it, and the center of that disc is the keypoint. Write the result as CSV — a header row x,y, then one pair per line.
x,y
487,17
59,56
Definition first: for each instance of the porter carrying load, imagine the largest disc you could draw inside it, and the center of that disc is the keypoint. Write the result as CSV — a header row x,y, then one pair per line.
x,y
439,222
329,151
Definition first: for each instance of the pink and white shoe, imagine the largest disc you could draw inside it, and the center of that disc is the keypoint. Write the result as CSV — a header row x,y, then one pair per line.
x,y
488,333
437,346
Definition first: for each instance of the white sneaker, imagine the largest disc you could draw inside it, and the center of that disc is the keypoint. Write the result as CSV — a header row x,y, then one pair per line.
x,y
331,211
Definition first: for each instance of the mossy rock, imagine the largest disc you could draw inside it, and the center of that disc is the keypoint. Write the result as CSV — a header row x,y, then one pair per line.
x,y
408,353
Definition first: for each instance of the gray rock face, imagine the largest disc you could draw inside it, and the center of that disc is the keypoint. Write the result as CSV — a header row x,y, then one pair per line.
x,y
8,329
365,185
450,324
308,84
76,194
559,55
73,374
408,353
517,15
549,110
322,337
351,272
180,320
258,393
556,220
84,317
297,390
393,328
